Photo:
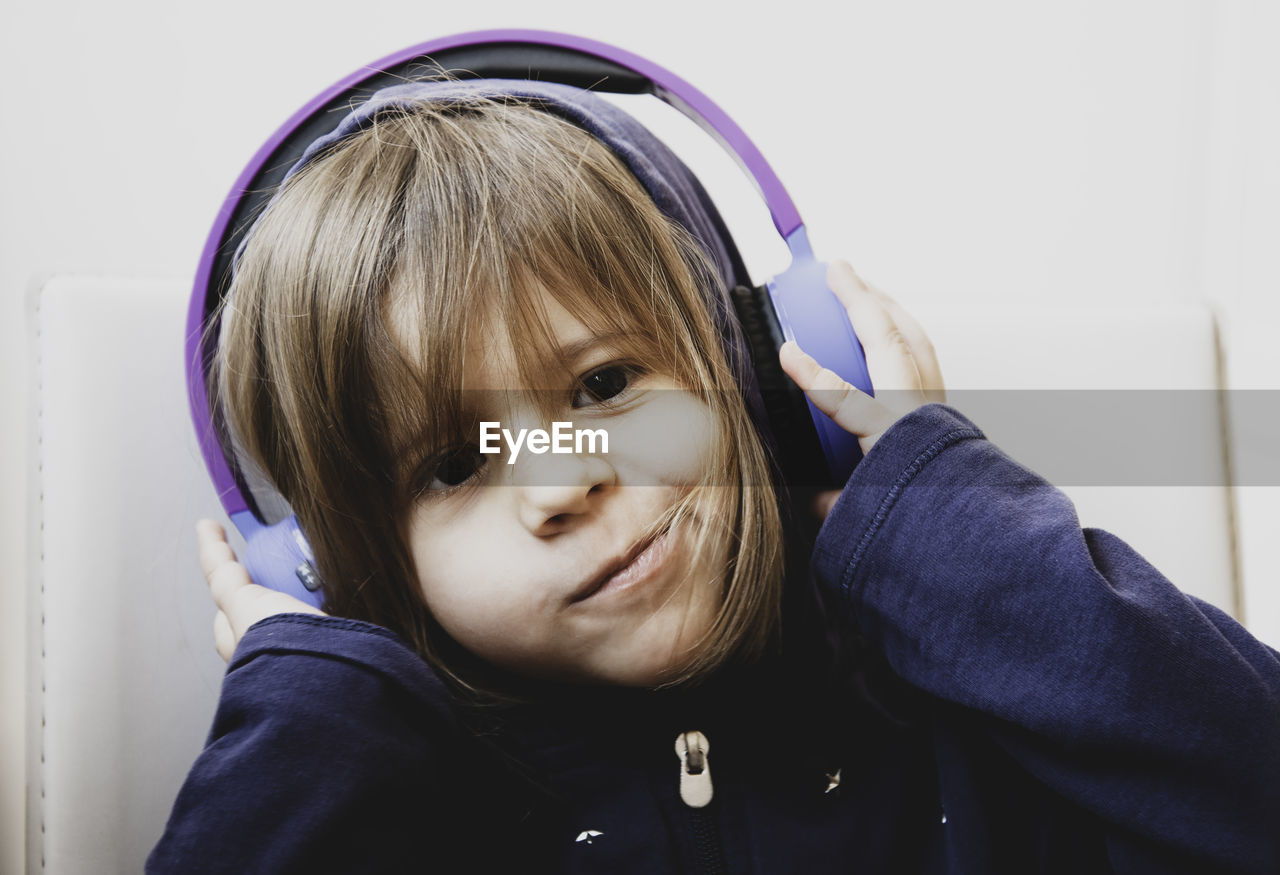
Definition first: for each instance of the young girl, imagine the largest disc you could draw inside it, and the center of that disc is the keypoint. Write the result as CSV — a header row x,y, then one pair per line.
x,y
657,658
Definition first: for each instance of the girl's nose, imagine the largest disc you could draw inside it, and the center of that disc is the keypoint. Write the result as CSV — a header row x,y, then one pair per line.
x,y
556,491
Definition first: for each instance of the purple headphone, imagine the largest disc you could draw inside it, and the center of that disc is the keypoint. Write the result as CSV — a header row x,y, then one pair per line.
x,y
551,69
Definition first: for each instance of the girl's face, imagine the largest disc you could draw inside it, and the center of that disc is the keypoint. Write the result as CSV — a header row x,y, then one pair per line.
x,y
542,566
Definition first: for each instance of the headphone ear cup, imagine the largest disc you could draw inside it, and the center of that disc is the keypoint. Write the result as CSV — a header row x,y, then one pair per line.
x,y
279,557
800,455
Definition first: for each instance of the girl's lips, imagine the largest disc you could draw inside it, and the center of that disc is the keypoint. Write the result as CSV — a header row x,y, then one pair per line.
x,y
640,563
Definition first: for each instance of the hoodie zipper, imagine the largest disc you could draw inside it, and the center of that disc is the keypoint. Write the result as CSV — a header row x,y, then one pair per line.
x,y
697,792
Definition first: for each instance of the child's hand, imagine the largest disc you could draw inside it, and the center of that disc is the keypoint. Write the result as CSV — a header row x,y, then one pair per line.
x,y
900,358
240,601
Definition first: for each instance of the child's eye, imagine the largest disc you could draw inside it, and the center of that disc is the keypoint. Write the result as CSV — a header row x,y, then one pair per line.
x,y
605,384
455,468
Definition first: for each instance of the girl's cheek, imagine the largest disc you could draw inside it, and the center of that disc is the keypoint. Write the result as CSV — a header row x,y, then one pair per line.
x,y
453,554
492,621
667,440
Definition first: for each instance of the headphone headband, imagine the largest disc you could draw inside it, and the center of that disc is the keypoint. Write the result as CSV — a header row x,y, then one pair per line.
x,y
561,73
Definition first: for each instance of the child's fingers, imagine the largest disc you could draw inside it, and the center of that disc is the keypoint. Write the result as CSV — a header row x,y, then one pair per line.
x,y
240,601
921,346
853,410
224,638
891,358
218,561
212,539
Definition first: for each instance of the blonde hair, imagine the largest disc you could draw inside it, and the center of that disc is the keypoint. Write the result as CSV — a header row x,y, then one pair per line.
x,y
446,213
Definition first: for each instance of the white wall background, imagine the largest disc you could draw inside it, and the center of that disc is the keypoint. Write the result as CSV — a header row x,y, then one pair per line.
x,y
981,155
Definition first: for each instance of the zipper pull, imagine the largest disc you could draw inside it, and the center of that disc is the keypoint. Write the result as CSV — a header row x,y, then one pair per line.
x,y
695,770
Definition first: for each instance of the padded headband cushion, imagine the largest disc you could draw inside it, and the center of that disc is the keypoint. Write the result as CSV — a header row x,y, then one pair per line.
x,y
673,187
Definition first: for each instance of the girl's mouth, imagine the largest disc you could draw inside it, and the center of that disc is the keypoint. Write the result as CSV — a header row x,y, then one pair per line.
x,y
642,562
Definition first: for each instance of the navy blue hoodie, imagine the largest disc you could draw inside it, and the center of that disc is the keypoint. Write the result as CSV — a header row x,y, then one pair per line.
x,y
1051,704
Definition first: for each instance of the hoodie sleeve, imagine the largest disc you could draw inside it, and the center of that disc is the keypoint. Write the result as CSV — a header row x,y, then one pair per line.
x,y
319,759
1150,708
